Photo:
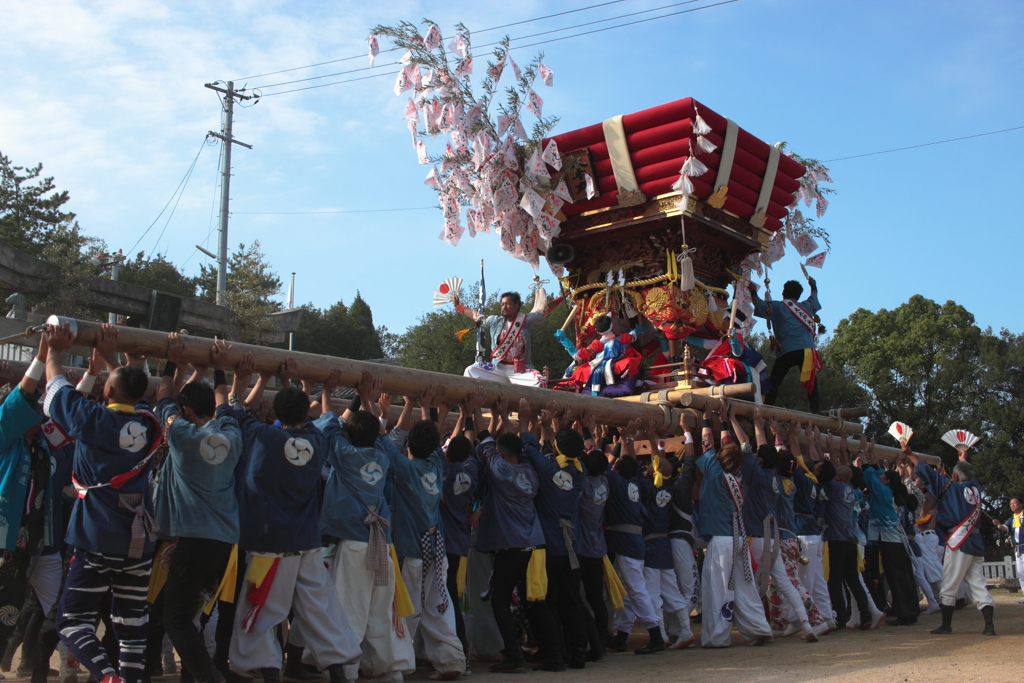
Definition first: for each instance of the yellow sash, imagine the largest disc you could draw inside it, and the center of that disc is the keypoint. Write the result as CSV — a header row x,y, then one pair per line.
x,y
460,578
616,591
537,576
403,603
824,559
226,590
158,575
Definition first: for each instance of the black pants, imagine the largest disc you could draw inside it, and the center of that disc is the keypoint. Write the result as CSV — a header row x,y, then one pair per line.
x,y
557,621
592,576
783,364
196,564
842,569
509,572
453,593
899,573
873,578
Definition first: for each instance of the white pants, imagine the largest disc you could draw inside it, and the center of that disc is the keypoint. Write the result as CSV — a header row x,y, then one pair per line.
x,y
440,642
783,584
931,556
721,606
922,582
302,583
386,654
500,372
1020,567
812,575
666,599
958,568
636,602
45,579
688,580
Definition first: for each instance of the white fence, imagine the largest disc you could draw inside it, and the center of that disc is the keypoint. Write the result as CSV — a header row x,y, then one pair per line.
x,y
1001,573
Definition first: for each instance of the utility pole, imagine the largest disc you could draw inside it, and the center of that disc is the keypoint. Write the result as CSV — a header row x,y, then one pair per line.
x,y
225,187
291,304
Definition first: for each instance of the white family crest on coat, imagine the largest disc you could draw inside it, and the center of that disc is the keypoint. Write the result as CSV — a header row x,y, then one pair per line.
x,y
523,482
461,483
214,448
371,472
663,498
971,496
601,495
563,480
429,482
133,437
298,451
775,484
634,492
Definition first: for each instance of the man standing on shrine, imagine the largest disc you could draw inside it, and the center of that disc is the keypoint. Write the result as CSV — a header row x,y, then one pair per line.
x,y
795,328
510,342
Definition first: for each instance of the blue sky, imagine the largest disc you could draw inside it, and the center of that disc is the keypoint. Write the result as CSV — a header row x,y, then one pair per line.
x,y
109,96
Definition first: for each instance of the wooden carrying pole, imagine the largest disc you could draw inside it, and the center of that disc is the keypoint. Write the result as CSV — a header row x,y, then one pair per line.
x,y
729,390
397,380
745,408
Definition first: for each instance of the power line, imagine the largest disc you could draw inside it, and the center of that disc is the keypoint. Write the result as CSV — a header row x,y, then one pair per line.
x,y
927,144
213,205
486,45
302,213
183,181
517,47
174,208
483,30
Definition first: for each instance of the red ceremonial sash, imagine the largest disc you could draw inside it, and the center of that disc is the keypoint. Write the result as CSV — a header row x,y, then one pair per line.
x,y
801,314
508,338
963,529
119,480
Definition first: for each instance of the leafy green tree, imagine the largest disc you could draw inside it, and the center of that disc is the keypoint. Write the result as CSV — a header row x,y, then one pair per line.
x,y
251,286
156,272
920,362
999,458
341,331
31,215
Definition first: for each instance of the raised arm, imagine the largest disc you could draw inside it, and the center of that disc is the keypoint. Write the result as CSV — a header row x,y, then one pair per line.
x,y
707,433
243,373
468,312
168,379
219,360
30,382
405,418
759,435
794,438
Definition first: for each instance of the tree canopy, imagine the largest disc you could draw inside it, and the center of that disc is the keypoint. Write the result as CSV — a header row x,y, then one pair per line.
x,y
342,331
156,272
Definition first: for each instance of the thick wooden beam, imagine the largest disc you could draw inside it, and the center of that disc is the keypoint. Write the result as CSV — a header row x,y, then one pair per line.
x,y
730,390
746,409
397,380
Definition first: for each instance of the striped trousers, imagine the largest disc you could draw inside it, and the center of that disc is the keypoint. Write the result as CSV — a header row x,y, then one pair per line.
x,y
89,579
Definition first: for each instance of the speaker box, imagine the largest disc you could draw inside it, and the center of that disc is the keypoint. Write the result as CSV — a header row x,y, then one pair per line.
x,y
164,311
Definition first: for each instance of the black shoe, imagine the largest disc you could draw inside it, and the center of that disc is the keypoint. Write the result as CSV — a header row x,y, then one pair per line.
x,y
550,665
898,621
271,675
576,663
293,669
618,642
509,666
947,620
534,657
594,655
990,629
655,644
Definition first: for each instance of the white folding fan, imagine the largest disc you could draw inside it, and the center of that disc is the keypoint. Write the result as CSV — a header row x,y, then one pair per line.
x,y
901,432
960,439
443,293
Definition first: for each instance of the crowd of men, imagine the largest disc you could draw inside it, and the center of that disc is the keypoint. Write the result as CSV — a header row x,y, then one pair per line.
x,y
324,541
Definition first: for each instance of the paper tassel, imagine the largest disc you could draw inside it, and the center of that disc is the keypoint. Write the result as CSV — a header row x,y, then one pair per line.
x,y
532,203
406,58
562,191
552,157
515,68
802,242
458,45
546,74
403,82
433,37
901,432
374,48
464,67
495,70
590,186
536,166
421,152
540,300
685,271
816,261
503,123
683,185
693,168
411,112
433,178
960,439
705,144
534,103
700,127
518,130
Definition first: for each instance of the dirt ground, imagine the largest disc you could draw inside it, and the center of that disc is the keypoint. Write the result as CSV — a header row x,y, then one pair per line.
x,y
890,654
